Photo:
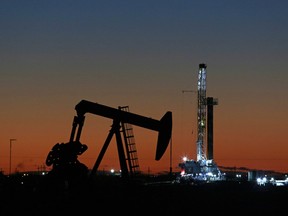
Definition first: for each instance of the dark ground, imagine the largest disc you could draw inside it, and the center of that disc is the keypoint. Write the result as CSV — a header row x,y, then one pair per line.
x,y
114,195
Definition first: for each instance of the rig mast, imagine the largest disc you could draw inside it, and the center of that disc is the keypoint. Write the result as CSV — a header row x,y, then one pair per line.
x,y
201,117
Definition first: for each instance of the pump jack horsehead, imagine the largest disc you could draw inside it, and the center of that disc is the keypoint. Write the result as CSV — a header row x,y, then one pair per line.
x,y
61,157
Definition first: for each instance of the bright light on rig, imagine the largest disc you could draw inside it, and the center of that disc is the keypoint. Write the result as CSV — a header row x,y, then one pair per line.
x,y
184,158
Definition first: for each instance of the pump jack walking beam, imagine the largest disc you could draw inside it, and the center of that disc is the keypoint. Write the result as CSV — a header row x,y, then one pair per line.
x,y
163,126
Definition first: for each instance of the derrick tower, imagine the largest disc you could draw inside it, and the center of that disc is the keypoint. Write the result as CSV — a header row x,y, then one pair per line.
x,y
201,113
203,168
204,119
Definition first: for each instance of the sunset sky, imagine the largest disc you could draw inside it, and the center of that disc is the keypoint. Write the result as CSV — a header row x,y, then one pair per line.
x,y
144,54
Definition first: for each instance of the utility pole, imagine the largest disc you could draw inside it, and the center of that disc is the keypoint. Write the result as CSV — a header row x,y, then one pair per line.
x,y
11,140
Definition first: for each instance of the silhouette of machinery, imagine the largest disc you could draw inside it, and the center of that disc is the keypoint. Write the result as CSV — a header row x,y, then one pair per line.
x,y
64,156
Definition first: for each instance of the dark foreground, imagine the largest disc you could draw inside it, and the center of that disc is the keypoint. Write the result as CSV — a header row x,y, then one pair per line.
x,y
111,195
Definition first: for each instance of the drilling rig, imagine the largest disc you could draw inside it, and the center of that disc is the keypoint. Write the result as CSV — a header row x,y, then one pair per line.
x,y
203,168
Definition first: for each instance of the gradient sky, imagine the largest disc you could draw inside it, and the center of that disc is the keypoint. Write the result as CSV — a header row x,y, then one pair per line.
x,y
143,54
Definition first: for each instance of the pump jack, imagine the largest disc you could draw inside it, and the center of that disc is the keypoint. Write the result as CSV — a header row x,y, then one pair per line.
x,y
163,126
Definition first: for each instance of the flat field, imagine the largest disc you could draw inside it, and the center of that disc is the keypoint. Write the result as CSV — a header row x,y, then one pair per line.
x,y
125,197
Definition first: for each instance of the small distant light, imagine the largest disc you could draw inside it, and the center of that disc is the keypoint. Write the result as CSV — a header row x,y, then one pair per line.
x,y
112,170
